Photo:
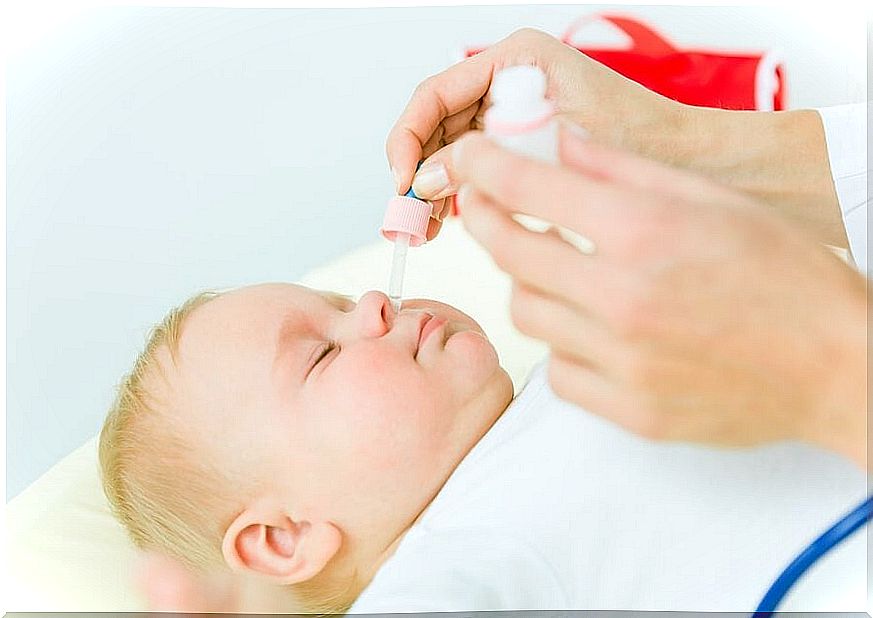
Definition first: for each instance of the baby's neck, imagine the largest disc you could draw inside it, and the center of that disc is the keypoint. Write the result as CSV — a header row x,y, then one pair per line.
x,y
500,405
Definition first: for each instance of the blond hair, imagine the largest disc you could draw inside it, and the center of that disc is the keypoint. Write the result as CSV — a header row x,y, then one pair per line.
x,y
154,485
169,499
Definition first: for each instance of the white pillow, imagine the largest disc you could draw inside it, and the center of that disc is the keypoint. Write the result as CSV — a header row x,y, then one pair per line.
x,y
66,552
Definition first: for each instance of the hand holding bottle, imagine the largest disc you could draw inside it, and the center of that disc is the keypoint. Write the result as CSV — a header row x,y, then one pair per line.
x,y
449,104
778,158
700,316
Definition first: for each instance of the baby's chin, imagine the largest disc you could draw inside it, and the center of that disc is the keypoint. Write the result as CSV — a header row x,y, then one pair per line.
x,y
458,320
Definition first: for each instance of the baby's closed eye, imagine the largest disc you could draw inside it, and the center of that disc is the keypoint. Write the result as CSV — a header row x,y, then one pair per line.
x,y
322,353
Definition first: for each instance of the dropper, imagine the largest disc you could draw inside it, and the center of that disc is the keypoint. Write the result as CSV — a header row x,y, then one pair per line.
x,y
405,224
398,266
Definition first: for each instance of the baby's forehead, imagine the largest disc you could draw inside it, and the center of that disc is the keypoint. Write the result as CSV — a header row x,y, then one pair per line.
x,y
256,317
298,320
336,299
287,296
252,303
229,346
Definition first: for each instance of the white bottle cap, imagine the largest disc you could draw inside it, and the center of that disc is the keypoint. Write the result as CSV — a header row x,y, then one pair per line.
x,y
519,99
518,83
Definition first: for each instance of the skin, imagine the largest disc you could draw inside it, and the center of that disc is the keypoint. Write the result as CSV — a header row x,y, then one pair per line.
x,y
684,324
690,272
779,158
701,316
349,427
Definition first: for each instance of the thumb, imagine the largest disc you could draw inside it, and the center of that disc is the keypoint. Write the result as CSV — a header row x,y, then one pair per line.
x,y
436,179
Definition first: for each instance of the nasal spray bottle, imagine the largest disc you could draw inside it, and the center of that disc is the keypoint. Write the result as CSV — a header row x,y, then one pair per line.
x,y
522,120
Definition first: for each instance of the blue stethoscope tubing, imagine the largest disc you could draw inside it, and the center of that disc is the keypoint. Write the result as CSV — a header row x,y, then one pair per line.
x,y
818,548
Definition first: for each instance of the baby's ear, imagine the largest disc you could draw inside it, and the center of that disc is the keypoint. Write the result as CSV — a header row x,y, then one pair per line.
x,y
284,551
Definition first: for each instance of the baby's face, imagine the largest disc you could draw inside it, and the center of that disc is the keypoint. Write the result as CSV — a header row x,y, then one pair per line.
x,y
348,410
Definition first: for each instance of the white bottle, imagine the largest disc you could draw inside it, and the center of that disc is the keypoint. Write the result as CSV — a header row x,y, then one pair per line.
x,y
521,118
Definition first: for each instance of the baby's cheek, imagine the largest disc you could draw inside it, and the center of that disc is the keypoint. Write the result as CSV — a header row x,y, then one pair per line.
x,y
372,385
471,356
388,420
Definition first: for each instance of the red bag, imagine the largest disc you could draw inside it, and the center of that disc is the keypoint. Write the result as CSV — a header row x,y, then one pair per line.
x,y
740,81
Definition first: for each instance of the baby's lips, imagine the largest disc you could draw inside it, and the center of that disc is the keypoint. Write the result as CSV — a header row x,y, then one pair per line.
x,y
454,317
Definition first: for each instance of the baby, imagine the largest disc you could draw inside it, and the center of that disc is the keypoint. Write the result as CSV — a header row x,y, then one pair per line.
x,y
296,434
357,459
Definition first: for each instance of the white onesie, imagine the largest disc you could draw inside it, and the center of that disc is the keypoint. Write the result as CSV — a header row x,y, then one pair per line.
x,y
556,508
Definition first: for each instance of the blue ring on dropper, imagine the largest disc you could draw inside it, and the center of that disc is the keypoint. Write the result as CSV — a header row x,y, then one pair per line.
x,y
411,193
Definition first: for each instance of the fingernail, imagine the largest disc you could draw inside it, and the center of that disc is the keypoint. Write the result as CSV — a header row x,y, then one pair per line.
x,y
439,216
396,176
579,242
430,180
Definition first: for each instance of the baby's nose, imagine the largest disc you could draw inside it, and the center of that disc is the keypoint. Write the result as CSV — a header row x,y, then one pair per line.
x,y
375,313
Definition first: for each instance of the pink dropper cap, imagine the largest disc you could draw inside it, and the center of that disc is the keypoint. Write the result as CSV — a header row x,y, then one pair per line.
x,y
407,215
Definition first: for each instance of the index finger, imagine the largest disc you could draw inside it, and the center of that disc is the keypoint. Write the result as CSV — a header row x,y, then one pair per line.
x,y
597,209
434,100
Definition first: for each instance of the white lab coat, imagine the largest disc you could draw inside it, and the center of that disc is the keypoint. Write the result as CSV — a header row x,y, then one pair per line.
x,y
846,135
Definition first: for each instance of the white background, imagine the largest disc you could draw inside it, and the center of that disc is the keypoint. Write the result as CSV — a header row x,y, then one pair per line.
x,y
155,152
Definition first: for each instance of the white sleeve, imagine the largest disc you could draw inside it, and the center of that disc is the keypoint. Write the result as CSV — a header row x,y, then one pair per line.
x,y
845,128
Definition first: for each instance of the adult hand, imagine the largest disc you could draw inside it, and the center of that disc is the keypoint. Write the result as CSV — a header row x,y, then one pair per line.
x,y
170,586
780,158
700,316
449,104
